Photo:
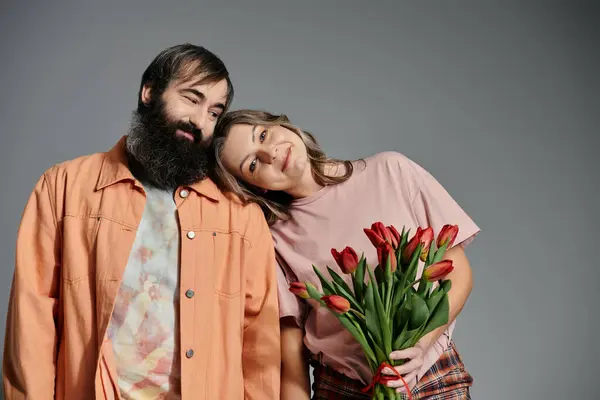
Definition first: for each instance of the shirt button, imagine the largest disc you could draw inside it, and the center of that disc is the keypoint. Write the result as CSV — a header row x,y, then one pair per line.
x,y
189,353
189,293
191,234
184,193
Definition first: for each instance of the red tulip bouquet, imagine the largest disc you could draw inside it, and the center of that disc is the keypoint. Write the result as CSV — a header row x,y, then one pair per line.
x,y
393,309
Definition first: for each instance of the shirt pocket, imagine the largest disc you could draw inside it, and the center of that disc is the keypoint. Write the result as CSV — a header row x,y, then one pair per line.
x,y
79,246
228,259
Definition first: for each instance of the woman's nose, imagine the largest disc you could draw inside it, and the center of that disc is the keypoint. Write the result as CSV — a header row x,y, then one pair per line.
x,y
268,155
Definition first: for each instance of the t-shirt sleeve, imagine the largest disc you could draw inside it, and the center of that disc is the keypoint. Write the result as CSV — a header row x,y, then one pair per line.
x,y
290,305
434,206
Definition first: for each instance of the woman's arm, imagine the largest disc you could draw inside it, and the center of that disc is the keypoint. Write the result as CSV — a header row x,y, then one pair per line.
x,y
462,283
295,381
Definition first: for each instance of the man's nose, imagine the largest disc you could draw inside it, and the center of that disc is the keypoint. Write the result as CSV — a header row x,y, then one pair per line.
x,y
199,120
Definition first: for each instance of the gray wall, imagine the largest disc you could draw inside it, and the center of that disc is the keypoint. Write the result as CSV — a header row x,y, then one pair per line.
x,y
499,100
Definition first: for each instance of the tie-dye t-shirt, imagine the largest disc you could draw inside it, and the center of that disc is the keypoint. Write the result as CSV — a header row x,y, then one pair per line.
x,y
144,322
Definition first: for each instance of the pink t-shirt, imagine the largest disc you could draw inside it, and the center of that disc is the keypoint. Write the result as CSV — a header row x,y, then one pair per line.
x,y
390,188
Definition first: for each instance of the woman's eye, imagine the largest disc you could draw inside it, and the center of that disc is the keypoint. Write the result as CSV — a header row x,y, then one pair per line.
x,y
252,166
262,136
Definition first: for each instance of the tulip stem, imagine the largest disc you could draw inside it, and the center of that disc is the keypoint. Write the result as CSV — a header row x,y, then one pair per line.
x,y
358,314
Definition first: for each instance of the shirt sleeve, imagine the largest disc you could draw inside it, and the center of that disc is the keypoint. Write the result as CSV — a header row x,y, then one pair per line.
x,y
31,340
433,206
261,357
290,305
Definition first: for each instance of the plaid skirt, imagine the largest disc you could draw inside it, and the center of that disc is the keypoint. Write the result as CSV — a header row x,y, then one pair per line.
x,y
447,379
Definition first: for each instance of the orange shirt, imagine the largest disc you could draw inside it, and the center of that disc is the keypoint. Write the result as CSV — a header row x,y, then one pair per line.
x,y
73,244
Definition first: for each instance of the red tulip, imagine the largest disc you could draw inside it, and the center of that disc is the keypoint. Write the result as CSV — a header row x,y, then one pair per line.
x,y
426,239
447,235
336,303
378,234
411,246
347,259
395,236
299,289
384,252
438,271
423,236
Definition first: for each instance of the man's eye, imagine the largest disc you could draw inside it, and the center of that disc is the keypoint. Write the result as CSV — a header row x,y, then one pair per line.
x,y
252,165
193,101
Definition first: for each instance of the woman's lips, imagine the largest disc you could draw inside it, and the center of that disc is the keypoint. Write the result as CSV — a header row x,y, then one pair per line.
x,y
287,159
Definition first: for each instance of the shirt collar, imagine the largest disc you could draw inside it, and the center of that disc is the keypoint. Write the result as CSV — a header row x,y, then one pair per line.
x,y
115,169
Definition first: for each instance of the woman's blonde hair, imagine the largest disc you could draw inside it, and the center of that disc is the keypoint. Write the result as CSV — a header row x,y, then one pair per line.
x,y
275,204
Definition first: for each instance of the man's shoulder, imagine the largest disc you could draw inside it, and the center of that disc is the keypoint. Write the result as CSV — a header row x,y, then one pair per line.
x,y
248,217
83,170
240,207
87,161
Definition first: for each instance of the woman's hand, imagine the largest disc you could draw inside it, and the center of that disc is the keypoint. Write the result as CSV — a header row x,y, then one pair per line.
x,y
414,358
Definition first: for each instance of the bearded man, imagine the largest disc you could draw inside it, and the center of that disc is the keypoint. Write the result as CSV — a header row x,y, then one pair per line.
x,y
135,277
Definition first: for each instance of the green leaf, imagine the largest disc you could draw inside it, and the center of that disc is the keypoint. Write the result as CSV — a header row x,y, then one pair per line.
x,y
419,313
358,279
414,336
358,335
439,254
381,356
401,246
434,300
379,274
439,316
405,235
446,285
389,291
402,336
428,287
411,272
410,338
397,298
422,287
314,294
339,280
430,253
348,296
384,322
371,317
327,286
402,316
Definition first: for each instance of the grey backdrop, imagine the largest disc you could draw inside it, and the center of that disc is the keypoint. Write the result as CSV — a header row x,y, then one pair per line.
x,y
499,100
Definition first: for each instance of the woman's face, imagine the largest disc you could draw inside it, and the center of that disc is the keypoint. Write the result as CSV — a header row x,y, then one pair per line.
x,y
268,157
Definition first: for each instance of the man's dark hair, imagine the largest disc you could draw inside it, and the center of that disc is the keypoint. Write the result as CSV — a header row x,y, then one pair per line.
x,y
184,62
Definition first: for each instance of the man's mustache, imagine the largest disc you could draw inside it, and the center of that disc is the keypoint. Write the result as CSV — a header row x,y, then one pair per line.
x,y
191,129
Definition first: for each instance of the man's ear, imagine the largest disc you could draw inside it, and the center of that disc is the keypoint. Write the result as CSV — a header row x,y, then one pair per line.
x,y
146,95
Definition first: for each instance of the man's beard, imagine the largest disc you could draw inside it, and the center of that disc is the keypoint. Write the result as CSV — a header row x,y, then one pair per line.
x,y
157,156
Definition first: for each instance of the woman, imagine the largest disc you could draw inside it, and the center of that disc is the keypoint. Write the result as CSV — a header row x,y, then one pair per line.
x,y
313,204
